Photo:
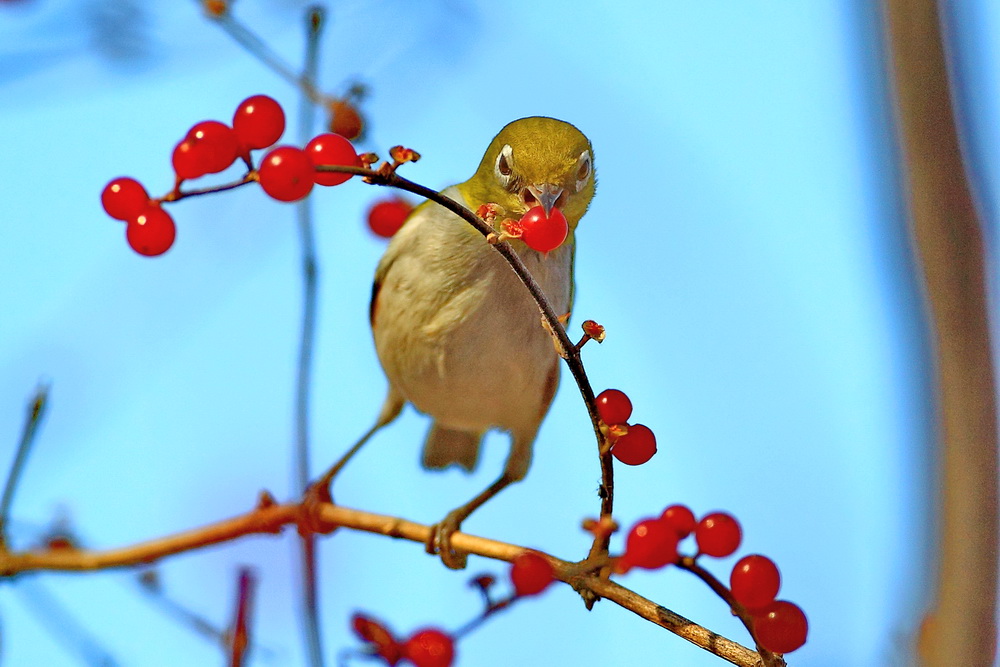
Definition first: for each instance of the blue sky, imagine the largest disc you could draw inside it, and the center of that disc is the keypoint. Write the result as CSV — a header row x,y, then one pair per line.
x,y
746,251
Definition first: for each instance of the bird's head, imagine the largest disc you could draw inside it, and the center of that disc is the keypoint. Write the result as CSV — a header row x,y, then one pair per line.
x,y
536,161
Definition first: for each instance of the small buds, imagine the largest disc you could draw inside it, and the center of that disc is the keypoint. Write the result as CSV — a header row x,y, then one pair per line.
x,y
593,330
401,155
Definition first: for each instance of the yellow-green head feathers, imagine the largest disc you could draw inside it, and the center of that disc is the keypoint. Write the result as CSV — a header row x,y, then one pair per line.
x,y
534,161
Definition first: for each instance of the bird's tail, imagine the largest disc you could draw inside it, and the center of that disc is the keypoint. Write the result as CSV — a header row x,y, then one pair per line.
x,y
446,446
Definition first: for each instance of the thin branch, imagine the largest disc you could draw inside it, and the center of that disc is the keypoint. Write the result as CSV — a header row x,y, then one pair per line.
x,y
269,518
310,269
239,634
64,627
154,591
150,585
961,630
36,411
177,195
259,49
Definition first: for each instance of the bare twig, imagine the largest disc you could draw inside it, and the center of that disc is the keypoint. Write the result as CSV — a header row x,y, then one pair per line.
x,y
239,633
176,194
149,582
36,411
259,49
270,518
65,628
949,240
310,287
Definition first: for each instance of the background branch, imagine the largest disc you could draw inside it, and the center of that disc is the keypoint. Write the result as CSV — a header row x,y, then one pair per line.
x,y
303,384
961,629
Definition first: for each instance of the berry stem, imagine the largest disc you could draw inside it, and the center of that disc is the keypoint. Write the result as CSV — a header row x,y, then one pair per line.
x,y
176,194
691,565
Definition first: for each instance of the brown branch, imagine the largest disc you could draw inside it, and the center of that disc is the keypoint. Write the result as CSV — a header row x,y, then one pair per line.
x,y
177,195
949,241
268,518
239,633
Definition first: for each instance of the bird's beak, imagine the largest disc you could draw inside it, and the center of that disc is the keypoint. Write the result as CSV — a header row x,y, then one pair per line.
x,y
547,195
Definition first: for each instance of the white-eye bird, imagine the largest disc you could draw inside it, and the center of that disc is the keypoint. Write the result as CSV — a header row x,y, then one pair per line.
x,y
457,333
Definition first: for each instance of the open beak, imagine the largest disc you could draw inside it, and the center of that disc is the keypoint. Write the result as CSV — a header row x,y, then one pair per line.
x,y
546,194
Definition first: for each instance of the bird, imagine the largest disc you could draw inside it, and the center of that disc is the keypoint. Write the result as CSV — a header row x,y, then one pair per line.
x,y
457,334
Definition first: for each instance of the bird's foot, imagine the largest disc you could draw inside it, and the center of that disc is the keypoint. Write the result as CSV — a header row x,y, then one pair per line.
x,y
439,542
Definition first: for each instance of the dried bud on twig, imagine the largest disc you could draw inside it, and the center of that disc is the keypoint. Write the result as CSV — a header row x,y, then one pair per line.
x,y
401,155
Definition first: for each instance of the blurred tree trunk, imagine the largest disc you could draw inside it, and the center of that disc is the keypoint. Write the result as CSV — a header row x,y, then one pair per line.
x,y
948,237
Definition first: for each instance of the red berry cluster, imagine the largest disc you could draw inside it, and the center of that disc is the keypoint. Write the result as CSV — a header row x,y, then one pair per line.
x,y
286,173
386,216
150,230
530,573
632,444
428,647
779,626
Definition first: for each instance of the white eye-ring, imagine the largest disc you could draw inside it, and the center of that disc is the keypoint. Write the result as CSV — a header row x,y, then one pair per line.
x,y
504,168
583,171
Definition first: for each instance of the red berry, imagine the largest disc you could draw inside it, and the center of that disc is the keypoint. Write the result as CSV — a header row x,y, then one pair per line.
x,y
650,544
387,216
680,518
332,149
151,232
613,406
430,648
286,174
215,145
259,122
186,161
124,198
531,573
781,627
635,447
542,233
755,581
718,534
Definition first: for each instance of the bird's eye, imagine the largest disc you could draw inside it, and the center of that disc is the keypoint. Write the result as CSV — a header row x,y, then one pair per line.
x,y
583,171
503,168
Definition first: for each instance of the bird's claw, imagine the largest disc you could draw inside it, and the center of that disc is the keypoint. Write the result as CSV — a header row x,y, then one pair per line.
x,y
439,542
